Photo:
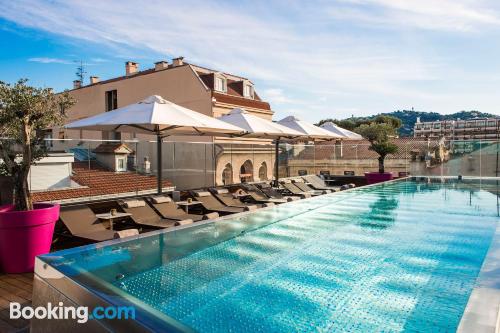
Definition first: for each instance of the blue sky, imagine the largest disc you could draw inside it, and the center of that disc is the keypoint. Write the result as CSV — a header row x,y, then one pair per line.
x,y
314,59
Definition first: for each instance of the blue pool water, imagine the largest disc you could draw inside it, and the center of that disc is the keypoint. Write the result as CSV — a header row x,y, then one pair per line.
x,y
403,256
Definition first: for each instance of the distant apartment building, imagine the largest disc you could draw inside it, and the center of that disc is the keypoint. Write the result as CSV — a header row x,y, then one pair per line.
x,y
204,90
472,129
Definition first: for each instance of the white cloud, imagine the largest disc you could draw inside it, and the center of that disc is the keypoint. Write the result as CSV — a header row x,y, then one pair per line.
x,y
98,60
307,56
275,96
450,15
45,60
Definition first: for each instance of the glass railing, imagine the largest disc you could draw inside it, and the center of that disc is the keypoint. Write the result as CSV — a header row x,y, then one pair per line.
x,y
104,168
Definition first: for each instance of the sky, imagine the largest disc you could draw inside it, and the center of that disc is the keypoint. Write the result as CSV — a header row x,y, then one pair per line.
x,y
312,59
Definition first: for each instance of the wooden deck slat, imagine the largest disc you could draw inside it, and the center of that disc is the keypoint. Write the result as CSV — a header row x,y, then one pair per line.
x,y
14,288
19,284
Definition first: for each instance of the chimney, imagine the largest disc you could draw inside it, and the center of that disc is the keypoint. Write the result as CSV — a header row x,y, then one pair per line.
x,y
178,61
161,65
94,79
77,84
418,119
131,68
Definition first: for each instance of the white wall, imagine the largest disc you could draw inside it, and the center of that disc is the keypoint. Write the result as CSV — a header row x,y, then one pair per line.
x,y
51,172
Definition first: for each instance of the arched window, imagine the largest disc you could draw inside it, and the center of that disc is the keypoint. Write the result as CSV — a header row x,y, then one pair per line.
x,y
227,174
246,172
263,171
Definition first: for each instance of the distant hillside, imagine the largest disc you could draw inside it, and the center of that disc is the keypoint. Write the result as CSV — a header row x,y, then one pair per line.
x,y
409,118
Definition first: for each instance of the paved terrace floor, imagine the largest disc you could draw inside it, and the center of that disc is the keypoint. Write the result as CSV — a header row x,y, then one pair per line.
x,y
14,288
96,180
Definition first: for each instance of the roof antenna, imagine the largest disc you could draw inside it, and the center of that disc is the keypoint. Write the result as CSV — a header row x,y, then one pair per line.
x,y
80,71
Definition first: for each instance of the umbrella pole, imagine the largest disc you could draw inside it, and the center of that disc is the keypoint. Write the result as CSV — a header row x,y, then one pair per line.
x,y
276,163
159,163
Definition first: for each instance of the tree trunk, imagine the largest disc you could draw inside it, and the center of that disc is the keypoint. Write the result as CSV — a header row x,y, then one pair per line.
x,y
381,168
22,196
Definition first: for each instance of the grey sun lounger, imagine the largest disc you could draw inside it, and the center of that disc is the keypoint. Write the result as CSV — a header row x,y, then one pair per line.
x,y
81,222
287,185
319,184
299,182
258,196
227,198
211,203
167,209
143,214
275,194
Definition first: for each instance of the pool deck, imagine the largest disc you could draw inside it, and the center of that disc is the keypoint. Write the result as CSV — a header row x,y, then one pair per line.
x,y
482,313
14,288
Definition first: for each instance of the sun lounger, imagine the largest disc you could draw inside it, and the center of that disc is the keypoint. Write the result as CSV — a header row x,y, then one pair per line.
x,y
227,198
167,209
258,196
299,182
143,214
81,222
319,184
294,190
210,203
275,194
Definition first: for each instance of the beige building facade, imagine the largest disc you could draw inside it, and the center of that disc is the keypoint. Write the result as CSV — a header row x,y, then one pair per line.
x,y
471,129
204,90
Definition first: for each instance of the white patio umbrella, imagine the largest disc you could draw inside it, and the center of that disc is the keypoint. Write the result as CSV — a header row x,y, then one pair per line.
x,y
155,115
310,131
346,134
257,127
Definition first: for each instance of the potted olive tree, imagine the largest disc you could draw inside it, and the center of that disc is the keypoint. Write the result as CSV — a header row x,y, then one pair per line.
x,y
379,133
26,228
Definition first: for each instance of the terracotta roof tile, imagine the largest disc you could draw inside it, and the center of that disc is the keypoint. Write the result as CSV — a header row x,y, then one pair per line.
x,y
100,181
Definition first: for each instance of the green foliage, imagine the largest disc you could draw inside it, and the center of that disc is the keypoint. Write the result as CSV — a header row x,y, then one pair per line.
x,y
379,133
25,113
408,119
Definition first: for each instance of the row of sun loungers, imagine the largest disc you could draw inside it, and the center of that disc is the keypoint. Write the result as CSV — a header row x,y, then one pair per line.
x,y
161,211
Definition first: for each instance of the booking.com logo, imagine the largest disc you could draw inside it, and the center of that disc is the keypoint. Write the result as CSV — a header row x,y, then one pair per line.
x,y
79,313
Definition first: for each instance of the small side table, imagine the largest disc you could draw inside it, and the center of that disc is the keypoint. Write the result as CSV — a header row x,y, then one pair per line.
x,y
186,204
107,217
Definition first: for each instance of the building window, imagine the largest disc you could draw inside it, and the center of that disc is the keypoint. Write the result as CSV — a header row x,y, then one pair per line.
x,y
227,174
437,126
220,84
111,100
491,123
48,139
248,91
121,164
263,171
246,172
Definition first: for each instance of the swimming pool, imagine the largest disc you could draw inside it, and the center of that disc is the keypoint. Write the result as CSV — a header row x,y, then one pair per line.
x,y
400,256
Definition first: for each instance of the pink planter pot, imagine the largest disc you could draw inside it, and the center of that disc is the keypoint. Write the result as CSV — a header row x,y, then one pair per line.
x,y
24,235
376,177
